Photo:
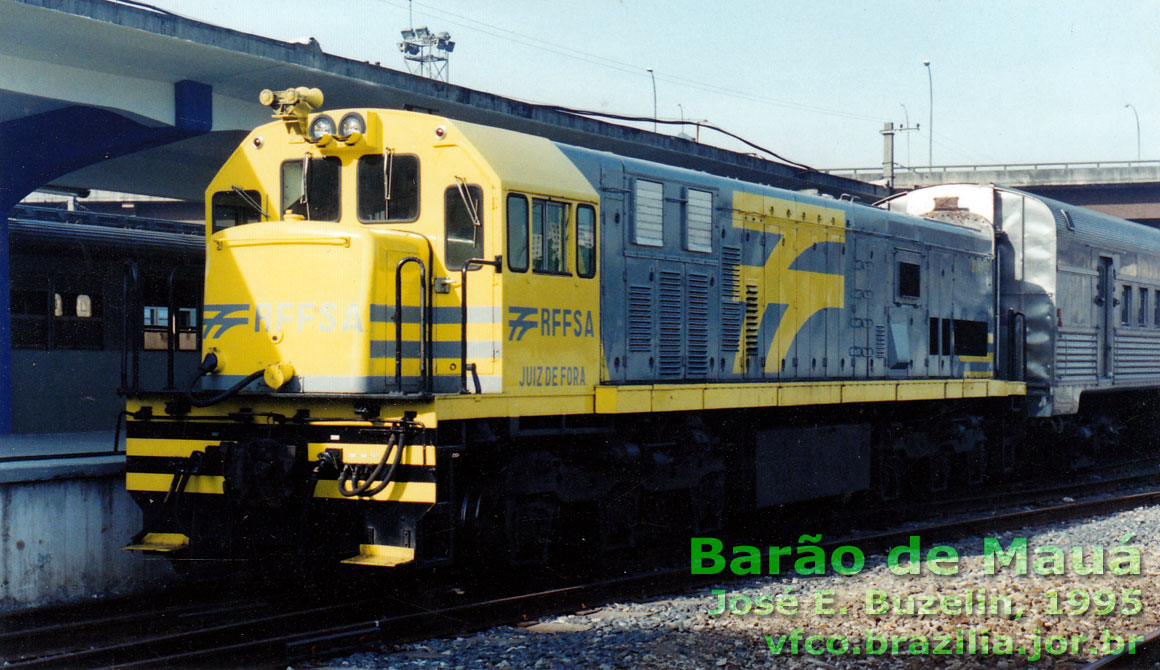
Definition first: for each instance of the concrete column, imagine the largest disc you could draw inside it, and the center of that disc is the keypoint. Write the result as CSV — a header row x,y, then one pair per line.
x,y
40,148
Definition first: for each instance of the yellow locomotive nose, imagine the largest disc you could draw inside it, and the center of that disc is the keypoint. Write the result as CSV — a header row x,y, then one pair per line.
x,y
326,330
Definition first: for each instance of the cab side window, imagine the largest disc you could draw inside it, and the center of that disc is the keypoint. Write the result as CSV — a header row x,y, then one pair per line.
x,y
463,232
585,241
549,236
517,233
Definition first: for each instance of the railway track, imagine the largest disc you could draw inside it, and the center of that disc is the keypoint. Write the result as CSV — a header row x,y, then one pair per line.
x,y
271,631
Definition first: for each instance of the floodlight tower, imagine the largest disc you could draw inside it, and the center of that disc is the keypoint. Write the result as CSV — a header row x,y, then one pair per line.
x,y
427,54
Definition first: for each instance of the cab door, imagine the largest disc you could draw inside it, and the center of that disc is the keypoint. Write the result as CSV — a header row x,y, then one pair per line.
x,y
550,295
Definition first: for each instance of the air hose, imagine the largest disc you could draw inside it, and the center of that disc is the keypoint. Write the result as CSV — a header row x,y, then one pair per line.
x,y
207,366
364,489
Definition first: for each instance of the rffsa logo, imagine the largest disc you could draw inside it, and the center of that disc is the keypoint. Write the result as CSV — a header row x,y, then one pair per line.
x,y
325,316
551,321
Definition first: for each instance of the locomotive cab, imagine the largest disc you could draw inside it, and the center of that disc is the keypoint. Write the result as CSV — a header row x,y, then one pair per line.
x,y
336,265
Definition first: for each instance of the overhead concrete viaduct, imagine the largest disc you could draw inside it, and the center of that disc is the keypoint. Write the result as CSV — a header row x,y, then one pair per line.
x,y
1127,189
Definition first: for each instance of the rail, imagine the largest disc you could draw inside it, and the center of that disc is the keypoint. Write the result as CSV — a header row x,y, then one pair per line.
x,y
424,326
497,263
1017,345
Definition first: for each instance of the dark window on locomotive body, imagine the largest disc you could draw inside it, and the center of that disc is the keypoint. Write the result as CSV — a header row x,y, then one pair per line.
x,y
310,189
398,172
909,280
236,208
970,338
462,232
958,336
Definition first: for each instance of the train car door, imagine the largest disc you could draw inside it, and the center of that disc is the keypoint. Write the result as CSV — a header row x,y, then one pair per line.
x,y
1105,300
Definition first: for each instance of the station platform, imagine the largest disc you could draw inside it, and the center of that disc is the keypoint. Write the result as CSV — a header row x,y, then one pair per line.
x,y
64,516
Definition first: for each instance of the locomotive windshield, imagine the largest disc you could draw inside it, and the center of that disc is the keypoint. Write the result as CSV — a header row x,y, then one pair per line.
x,y
388,188
310,188
235,208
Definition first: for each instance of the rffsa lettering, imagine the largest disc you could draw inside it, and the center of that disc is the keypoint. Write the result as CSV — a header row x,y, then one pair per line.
x,y
566,322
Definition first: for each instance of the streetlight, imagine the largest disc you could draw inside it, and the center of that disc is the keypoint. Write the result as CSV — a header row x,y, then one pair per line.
x,y
1137,128
930,126
654,85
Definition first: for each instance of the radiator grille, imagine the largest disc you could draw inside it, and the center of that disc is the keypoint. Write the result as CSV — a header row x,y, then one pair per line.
x,y
670,324
731,310
640,309
697,318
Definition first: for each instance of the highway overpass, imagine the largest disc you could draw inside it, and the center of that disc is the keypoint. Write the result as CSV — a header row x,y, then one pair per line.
x,y
1127,189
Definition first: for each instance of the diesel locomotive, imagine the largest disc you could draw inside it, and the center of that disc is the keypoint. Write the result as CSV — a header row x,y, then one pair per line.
x,y
428,341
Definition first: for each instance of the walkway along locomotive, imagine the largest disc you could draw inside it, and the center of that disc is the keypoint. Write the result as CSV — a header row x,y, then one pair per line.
x,y
427,340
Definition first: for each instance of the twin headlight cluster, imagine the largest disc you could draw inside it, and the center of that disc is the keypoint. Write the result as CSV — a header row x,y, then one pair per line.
x,y
348,125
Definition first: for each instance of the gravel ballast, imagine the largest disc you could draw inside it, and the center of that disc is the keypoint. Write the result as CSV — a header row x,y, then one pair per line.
x,y
683,632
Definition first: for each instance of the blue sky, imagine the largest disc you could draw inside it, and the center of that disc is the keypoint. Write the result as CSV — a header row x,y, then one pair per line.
x,y
1014,81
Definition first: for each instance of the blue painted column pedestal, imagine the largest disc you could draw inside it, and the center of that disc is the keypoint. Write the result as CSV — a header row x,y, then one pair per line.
x,y
47,146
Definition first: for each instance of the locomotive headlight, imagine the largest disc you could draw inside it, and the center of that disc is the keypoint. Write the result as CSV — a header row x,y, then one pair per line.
x,y
350,124
321,125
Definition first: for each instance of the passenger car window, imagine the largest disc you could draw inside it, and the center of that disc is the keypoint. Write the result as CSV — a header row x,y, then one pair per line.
x,y
374,173
517,233
463,239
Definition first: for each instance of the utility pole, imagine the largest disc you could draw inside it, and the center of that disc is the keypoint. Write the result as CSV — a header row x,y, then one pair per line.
x,y
888,131
930,127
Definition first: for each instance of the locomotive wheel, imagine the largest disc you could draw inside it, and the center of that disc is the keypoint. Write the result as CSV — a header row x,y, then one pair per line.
x,y
481,530
530,524
889,476
935,470
619,517
709,503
